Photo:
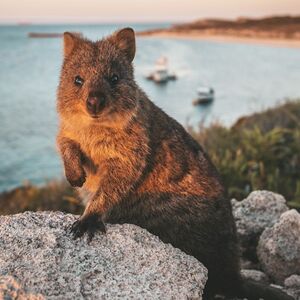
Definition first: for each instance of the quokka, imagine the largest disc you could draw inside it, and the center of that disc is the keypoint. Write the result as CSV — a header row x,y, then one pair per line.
x,y
138,165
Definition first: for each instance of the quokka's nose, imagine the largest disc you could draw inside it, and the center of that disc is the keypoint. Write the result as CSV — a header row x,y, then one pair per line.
x,y
94,104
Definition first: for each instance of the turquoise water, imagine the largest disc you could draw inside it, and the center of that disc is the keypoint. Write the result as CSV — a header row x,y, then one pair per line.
x,y
246,78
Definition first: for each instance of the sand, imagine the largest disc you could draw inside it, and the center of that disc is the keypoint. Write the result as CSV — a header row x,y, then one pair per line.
x,y
275,42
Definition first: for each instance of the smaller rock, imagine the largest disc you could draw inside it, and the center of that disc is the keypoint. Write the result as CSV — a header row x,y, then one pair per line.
x,y
255,275
279,247
10,289
292,282
292,286
261,209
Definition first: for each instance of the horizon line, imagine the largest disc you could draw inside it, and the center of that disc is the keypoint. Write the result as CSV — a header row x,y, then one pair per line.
x,y
144,20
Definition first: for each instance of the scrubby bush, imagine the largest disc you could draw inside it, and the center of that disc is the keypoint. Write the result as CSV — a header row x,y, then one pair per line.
x,y
54,195
259,152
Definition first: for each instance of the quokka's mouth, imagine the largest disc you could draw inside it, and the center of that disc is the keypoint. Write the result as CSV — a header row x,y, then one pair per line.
x,y
94,116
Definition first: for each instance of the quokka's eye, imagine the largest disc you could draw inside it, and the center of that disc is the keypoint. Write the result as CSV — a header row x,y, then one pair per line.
x,y
114,79
78,81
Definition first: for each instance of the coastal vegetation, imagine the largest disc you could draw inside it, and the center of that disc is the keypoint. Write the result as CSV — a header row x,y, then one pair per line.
x,y
53,195
261,151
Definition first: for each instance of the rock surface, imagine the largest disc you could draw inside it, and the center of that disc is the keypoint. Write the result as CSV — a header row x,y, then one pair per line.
x,y
279,247
11,289
127,262
292,286
255,275
261,209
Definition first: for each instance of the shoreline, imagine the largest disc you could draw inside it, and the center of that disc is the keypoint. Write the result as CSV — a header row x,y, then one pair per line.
x,y
275,42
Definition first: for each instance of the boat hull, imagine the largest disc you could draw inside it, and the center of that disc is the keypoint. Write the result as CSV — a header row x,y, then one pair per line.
x,y
202,101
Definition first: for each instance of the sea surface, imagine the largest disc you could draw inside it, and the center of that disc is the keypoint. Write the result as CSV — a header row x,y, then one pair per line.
x,y
246,78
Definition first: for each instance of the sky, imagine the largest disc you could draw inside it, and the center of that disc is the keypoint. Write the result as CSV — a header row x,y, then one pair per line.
x,y
103,11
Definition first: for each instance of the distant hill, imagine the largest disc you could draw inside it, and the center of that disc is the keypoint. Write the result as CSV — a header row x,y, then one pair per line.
x,y
284,27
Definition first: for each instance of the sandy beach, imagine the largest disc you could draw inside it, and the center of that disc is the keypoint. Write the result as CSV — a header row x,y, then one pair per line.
x,y
275,42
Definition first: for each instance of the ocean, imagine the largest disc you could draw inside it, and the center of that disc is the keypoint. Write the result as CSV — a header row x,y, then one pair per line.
x,y
246,78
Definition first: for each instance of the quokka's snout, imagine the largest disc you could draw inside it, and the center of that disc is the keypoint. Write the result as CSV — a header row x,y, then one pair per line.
x,y
95,103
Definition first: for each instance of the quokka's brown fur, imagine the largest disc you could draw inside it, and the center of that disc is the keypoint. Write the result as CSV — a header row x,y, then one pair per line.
x,y
136,164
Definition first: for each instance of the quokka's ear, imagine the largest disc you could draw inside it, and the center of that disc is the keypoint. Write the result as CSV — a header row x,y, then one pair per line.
x,y
71,41
125,41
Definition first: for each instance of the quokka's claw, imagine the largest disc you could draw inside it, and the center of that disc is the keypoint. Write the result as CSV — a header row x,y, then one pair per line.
x,y
87,224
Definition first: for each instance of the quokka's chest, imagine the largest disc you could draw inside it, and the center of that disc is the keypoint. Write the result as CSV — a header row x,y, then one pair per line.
x,y
96,148
102,146
96,154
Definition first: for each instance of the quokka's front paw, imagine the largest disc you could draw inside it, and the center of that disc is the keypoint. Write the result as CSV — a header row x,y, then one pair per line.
x,y
87,224
76,177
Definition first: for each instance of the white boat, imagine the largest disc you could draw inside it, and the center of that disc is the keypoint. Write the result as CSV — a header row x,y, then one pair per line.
x,y
161,72
205,95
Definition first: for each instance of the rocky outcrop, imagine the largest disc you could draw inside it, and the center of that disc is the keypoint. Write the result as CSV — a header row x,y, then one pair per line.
x,y
269,235
40,260
127,262
279,247
261,209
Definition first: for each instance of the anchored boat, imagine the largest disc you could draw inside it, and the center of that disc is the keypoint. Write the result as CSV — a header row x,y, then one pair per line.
x,y
205,95
161,73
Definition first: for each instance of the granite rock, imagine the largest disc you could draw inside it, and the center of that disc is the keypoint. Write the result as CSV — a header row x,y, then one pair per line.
x,y
10,289
279,247
292,286
126,263
261,209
